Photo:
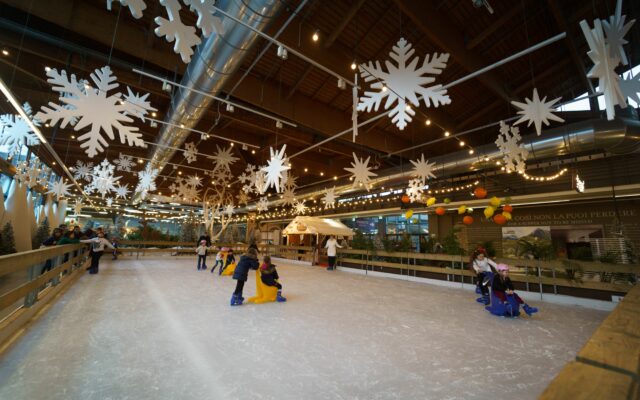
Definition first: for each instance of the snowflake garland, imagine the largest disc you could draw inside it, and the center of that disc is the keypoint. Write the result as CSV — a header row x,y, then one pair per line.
x,y
190,152
361,172
403,84
423,169
514,154
92,107
15,132
146,181
274,168
124,163
329,198
537,111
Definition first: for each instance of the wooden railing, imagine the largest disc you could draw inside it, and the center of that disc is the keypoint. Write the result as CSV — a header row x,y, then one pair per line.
x,y
608,366
554,274
29,280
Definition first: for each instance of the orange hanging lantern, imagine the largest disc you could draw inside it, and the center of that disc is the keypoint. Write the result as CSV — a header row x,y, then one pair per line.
x,y
499,219
507,208
405,199
467,220
480,192
440,210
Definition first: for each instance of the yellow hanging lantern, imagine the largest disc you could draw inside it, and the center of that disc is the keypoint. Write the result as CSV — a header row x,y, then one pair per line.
x,y
507,215
462,209
488,212
431,201
408,214
495,202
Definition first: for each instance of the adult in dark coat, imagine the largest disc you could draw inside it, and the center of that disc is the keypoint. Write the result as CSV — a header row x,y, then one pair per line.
x,y
241,273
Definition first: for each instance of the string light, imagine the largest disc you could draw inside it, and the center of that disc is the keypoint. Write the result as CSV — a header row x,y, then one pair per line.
x,y
446,133
353,65
427,122
545,178
315,36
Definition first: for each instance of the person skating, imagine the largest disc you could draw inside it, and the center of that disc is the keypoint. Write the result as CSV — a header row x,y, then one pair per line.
x,y
230,259
219,260
503,287
97,250
247,261
201,251
482,266
269,276
331,246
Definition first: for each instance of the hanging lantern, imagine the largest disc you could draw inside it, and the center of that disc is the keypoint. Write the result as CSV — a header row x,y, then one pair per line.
x,y
447,200
462,209
507,208
469,210
480,192
499,219
467,220
488,212
431,201
405,199
507,215
440,210
408,214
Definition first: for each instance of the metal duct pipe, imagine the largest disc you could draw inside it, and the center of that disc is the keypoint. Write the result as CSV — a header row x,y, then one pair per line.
x,y
214,61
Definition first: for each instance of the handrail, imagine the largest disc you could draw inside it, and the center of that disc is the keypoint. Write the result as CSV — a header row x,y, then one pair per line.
x,y
11,263
193,245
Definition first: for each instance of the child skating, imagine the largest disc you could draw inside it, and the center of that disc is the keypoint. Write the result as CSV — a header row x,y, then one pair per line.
x,y
503,290
247,261
269,276
201,251
219,260
482,266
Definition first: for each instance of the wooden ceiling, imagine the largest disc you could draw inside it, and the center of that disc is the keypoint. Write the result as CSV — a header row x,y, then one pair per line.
x,y
79,36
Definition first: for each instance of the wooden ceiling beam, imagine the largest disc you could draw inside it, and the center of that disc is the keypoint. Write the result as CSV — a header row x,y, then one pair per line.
x,y
494,26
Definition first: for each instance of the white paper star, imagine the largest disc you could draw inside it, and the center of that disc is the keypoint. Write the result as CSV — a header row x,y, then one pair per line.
x,y
537,111
422,169
361,172
262,205
329,198
300,208
275,167
223,158
77,208
60,189
615,29
288,196
122,191
229,209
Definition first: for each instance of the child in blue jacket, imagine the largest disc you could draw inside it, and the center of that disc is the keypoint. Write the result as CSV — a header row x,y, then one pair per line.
x,y
247,261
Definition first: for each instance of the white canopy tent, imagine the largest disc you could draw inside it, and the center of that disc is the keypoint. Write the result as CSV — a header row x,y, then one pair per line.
x,y
317,226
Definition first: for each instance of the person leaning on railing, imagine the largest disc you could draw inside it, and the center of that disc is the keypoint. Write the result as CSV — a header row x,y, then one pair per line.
x,y
51,241
97,250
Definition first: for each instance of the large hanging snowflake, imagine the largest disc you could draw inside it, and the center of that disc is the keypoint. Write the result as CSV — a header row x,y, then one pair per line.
x,y
83,171
404,83
124,163
615,29
361,172
173,29
274,168
136,7
415,190
329,198
603,67
102,180
223,159
15,132
537,111
300,208
423,169
60,189
631,87
207,22
146,181
190,152
32,174
288,196
93,108
514,154
262,204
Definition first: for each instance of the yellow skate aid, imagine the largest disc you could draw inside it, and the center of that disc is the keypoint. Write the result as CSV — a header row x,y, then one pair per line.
x,y
264,293
229,270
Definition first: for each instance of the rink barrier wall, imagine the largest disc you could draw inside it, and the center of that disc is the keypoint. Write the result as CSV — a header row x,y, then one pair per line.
x,y
608,366
26,290
568,277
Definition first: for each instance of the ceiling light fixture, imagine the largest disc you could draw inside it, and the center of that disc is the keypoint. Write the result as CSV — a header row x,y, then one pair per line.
x,y
315,36
354,66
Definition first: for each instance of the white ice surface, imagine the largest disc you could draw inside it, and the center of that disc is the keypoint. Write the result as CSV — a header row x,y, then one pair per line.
x,y
156,328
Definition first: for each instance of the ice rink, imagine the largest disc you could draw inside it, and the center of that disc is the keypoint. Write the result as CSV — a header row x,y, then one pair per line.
x,y
156,328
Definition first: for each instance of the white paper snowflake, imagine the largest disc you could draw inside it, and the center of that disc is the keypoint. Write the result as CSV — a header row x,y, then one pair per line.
x,y
415,190
174,29
242,198
288,196
77,207
274,168
603,67
32,174
615,29
109,201
136,7
262,204
16,132
229,209
403,84
190,152
260,182
122,191
631,87
514,154
124,163
423,169
102,180
361,172
83,171
207,22
537,111
60,189
329,198
223,159
93,108
146,181
139,107
244,178
300,208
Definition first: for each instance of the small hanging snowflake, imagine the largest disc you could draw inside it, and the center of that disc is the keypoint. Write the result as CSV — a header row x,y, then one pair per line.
x,y
300,208
262,205
260,183
615,29
190,152
136,7
124,163
631,88
423,169
514,154
93,108
83,171
109,201
77,207
102,179
361,172
329,198
16,132
537,111
403,84
146,181
195,181
274,168
229,209
288,196
122,191
242,198
174,29
223,159
60,189
415,190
